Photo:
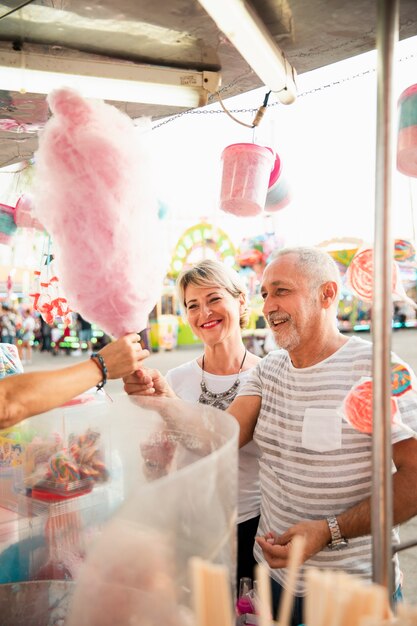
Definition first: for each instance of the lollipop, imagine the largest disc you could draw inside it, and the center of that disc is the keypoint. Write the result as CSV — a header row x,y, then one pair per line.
x,y
404,250
359,276
400,379
358,409
360,273
63,468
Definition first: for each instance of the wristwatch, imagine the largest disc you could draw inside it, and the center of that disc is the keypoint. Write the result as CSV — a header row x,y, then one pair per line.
x,y
337,541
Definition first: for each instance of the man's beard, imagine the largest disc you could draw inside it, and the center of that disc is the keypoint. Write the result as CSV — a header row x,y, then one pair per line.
x,y
287,339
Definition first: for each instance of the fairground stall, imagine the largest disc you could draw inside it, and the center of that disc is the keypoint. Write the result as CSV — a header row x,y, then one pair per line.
x,y
124,512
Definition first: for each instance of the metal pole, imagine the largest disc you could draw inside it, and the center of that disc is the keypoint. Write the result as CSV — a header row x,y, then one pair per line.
x,y
382,500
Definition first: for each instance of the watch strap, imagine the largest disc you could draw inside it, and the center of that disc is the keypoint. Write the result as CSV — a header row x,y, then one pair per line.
x,y
337,541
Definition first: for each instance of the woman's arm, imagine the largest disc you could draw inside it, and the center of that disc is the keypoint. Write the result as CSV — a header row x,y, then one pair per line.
x,y
23,395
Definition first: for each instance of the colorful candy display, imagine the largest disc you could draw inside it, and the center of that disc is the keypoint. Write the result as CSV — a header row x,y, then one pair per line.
x,y
87,455
63,469
55,472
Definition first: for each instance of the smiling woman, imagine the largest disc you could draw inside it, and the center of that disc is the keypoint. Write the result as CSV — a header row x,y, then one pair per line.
x,y
215,304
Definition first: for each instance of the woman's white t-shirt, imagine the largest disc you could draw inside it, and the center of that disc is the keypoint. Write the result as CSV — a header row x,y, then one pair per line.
x,y
185,381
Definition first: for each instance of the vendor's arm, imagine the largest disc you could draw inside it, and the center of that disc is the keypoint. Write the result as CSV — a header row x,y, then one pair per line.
x,y
355,521
245,409
23,395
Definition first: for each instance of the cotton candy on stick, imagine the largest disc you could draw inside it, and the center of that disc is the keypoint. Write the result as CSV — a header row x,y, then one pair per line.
x,y
94,195
357,408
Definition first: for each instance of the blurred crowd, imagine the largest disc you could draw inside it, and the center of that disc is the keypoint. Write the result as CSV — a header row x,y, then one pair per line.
x,y
26,329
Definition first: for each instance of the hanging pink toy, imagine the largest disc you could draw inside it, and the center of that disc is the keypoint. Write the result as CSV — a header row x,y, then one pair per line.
x,y
24,213
278,195
407,132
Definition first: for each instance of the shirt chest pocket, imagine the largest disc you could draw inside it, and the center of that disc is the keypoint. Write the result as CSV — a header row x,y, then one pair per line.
x,y
322,430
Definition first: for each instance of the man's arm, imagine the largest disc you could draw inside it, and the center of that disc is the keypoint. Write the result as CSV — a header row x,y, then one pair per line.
x,y
353,522
246,410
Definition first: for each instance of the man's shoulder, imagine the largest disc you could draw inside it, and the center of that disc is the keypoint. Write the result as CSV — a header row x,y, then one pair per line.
x,y
358,345
273,359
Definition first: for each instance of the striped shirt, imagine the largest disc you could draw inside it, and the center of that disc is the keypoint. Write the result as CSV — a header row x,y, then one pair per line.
x,y
313,463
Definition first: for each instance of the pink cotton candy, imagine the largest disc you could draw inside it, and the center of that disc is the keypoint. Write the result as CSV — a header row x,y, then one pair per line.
x,y
95,197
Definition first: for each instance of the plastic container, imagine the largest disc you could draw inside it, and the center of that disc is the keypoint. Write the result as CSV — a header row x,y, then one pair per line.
x,y
181,503
247,169
178,465
278,194
407,132
69,451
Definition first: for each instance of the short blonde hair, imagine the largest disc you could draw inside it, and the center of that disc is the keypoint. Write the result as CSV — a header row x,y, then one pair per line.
x,y
211,273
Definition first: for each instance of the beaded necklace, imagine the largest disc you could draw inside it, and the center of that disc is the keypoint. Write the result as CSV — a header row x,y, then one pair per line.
x,y
219,400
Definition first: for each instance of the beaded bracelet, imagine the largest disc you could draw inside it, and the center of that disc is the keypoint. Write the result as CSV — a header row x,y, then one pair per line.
x,y
101,364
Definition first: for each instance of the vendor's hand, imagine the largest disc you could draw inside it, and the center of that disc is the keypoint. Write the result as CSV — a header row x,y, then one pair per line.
x,y
123,356
277,548
147,382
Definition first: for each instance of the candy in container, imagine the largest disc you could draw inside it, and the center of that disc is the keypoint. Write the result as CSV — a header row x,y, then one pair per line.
x,y
180,462
246,172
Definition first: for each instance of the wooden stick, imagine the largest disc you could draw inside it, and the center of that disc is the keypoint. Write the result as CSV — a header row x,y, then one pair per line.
x,y
212,598
294,563
264,595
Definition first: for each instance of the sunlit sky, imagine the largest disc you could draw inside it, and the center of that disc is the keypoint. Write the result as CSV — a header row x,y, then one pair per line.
x,y
326,140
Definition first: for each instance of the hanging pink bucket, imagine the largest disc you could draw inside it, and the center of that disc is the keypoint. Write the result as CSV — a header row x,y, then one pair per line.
x,y
246,172
407,132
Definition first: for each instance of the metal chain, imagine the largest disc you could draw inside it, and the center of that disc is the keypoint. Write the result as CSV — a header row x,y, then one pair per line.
x,y
334,83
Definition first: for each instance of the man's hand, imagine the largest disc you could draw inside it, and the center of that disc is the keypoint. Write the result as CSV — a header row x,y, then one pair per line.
x,y
277,548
